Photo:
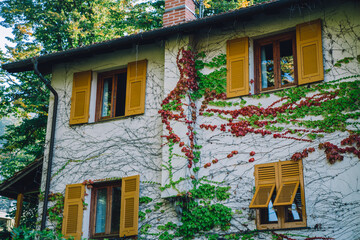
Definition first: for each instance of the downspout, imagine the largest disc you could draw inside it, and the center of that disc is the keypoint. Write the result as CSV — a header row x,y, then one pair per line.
x,y
52,140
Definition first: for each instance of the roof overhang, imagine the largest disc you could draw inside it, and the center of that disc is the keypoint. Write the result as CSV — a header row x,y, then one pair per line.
x,y
26,181
47,61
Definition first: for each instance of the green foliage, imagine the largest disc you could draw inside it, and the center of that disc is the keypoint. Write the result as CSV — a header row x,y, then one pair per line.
x,y
168,226
29,215
213,237
145,228
208,191
55,212
219,6
59,25
28,234
199,218
142,215
216,80
166,236
335,112
145,200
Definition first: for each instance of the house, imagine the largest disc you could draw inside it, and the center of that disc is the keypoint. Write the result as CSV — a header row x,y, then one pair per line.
x,y
239,125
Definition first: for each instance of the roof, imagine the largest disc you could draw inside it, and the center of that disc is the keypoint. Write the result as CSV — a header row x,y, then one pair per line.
x,y
26,181
47,61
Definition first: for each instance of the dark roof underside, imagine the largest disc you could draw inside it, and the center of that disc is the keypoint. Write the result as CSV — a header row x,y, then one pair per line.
x,y
46,62
26,181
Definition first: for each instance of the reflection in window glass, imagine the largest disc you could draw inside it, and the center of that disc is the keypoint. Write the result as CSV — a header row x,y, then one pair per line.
x,y
101,211
272,213
293,213
286,62
115,209
106,100
267,66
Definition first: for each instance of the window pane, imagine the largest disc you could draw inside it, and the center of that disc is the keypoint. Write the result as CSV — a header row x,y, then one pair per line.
x,y
293,213
120,94
269,214
115,209
267,66
100,220
106,100
286,62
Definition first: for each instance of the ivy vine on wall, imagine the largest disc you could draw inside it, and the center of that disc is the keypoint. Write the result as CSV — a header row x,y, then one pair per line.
x,y
337,102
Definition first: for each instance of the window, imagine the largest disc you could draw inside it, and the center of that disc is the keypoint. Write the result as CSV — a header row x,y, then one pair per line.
x,y
279,197
275,62
280,61
119,93
113,210
105,209
111,94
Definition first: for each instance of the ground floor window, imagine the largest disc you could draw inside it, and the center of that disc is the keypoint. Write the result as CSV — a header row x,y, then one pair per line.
x,y
279,197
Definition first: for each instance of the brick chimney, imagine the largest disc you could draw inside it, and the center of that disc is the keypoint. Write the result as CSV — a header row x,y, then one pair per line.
x,y
178,11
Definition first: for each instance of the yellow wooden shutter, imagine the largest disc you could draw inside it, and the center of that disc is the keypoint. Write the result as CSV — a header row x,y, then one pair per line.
x,y
73,211
237,67
289,182
135,88
265,181
80,98
129,206
309,52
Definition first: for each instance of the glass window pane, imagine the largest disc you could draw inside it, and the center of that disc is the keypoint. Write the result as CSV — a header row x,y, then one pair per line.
x,y
100,220
115,209
287,62
106,100
267,66
293,213
120,94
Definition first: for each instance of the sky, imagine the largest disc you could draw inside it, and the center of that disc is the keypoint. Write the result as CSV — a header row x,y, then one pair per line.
x,y
4,32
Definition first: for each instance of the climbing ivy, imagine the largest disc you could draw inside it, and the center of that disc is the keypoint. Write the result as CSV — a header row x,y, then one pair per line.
x,y
337,102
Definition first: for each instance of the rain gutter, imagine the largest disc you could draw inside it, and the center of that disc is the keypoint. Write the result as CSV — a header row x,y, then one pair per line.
x,y
52,140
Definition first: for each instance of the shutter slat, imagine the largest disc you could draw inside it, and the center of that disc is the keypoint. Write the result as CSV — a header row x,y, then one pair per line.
x,y
80,100
129,206
135,88
237,67
309,52
73,211
266,173
289,171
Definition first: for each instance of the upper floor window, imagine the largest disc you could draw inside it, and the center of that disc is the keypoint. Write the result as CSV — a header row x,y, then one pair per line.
x,y
275,62
111,95
119,93
279,61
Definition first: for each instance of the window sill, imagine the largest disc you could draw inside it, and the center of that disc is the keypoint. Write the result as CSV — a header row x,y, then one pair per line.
x,y
282,229
105,120
276,90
